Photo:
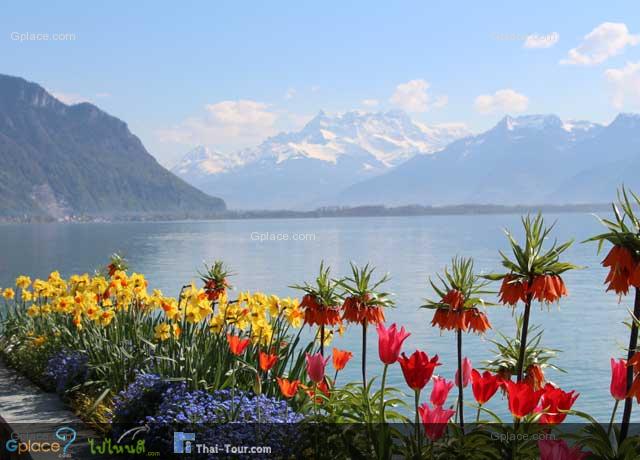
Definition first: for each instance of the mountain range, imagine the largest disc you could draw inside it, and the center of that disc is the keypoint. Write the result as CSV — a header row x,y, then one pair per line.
x,y
301,169
59,160
360,159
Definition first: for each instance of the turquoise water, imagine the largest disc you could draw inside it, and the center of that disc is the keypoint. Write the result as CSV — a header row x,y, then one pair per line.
x,y
587,326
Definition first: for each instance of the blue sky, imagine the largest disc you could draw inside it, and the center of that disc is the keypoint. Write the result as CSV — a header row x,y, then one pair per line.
x,y
227,74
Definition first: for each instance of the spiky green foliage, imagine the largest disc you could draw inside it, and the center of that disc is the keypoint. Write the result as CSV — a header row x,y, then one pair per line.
x,y
460,277
359,285
532,259
325,289
507,350
625,230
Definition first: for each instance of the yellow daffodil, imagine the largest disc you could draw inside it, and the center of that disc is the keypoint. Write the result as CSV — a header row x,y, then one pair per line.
x,y
8,293
106,317
162,332
23,282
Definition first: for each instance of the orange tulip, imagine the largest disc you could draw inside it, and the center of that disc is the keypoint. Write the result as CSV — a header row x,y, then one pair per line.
x,y
237,345
267,360
341,358
288,388
322,386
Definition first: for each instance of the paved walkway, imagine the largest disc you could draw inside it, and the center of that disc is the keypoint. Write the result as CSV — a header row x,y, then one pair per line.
x,y
30,414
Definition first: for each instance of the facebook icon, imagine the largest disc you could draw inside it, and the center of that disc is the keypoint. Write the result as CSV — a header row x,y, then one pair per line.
x,y
182,442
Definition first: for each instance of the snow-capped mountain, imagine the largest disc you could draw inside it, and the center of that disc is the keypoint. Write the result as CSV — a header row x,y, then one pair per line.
x,y
529,159
328,154
202,161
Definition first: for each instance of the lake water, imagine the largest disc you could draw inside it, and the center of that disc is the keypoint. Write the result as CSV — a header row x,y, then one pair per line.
x,y
588,325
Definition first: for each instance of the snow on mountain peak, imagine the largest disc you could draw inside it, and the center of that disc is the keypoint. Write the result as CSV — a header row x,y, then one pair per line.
x,y
386,138
203,161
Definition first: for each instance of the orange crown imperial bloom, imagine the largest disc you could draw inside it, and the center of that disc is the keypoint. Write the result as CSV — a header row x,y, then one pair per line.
x,y
477,321
318,314
513,289
341,358
623,270
267,360
535,377
356,310
548,288
447,319
288,388
454,298
237,345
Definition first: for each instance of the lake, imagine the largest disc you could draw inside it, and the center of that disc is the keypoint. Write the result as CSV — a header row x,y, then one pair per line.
x,y
270,255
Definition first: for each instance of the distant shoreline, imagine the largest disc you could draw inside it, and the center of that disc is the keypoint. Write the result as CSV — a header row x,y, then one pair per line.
x,y
325,212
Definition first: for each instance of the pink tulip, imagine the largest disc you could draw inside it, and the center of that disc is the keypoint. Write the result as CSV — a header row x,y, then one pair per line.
x,y
390,342
618,386
557,449
440,391
466,373
435,420
315,367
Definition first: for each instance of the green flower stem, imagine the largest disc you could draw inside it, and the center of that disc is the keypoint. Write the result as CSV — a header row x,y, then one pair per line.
x,y
417,422
613,416
384,379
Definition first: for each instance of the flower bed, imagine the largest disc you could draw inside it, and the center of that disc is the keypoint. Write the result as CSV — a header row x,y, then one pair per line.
x,y
133,360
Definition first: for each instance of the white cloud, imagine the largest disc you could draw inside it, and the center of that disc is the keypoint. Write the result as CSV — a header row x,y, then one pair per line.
x,y
290,94
413,96
227,125
370,102
315,88
626,85
607,40
542,41
69,98
74,98
503,100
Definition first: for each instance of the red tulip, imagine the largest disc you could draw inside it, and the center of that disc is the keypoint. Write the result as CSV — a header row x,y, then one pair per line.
x,y
435,420
553,402
418,368
466,373
484,385
390,342
440,391
315,367
557,449
267,360
523,399
237,345
618,385
340,358
288,388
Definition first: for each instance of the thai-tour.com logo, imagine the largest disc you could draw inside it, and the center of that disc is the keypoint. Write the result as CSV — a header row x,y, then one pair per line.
x,y
185,443
42,442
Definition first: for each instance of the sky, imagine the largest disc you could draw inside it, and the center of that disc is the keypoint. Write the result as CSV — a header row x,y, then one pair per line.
x,y
229,74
